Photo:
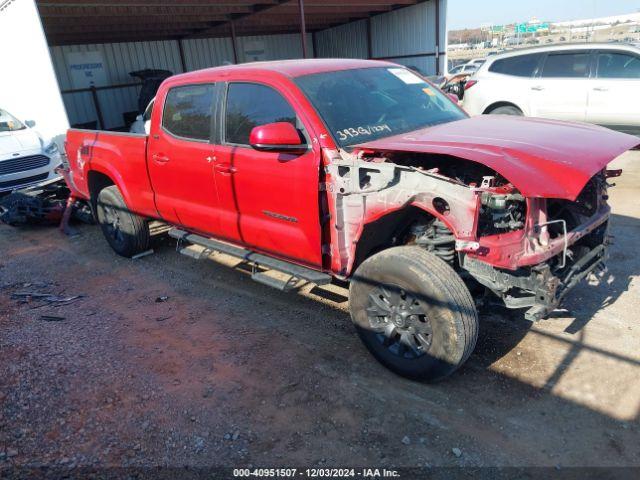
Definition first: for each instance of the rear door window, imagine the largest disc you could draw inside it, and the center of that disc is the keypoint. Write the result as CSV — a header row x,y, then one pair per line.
x,y
618,65
188,110
520,66
566,65
250,105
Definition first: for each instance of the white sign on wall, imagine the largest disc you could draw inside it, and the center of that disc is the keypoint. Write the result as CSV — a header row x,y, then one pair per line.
x,y
87,69
254,51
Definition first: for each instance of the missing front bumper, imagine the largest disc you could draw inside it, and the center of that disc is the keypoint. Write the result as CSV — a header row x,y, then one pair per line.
x,y
538,288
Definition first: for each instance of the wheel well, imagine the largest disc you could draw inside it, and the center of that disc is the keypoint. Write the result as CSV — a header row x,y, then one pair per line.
x,y
96,182
495,105
386,232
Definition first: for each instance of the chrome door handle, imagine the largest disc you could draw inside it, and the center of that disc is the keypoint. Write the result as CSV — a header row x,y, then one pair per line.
x,y
537,88
601,89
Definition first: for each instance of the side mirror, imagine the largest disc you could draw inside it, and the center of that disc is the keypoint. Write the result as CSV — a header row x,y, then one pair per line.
x,y
30,123
453,97
277,137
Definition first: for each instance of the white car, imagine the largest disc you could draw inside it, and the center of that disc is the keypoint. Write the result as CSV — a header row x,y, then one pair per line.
x,y
25,158
465,68
476,62
143,121
595,83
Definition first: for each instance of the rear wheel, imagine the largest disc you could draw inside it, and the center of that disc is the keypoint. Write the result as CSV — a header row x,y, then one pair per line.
x,y
413,313
506,110
126,232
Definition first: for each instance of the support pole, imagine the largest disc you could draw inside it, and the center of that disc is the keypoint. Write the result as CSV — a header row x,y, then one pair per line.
x,y
369,39
314,44
233,41
96,104
303,29
182,60
437,37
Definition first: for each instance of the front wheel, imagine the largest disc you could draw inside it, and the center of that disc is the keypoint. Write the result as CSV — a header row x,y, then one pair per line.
x,y
413,313
126,232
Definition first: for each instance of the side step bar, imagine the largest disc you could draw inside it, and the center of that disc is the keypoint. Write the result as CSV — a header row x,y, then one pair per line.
x,y
295,272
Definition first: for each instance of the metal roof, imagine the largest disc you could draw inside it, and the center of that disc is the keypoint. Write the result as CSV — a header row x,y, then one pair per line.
x,y
69,22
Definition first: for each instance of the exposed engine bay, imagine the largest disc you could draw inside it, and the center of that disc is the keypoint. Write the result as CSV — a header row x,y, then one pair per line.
x,y
527,251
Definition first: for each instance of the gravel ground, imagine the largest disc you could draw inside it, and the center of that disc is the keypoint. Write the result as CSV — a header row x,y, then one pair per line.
x,y
227,372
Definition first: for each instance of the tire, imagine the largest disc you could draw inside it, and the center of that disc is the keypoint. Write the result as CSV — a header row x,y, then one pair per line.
x,y
406,288
126,232
507,110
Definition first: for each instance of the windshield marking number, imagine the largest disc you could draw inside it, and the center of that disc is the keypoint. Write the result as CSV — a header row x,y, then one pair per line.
x,y
357,131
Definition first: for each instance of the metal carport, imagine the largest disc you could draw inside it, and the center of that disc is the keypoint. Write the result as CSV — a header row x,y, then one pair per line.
x,y
183,35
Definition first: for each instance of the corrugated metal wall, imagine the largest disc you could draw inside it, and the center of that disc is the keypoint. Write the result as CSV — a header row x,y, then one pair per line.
x,y
211,52
344,41
402,32
122,58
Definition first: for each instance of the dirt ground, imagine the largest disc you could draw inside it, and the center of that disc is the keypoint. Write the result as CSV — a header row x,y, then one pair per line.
x,y
229,372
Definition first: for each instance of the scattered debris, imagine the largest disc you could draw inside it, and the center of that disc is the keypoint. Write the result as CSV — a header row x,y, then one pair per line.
x,y
406,440
457,452
51,318
143,254
41,205
235,435
11,452
208,391
162,299
199,444
47,297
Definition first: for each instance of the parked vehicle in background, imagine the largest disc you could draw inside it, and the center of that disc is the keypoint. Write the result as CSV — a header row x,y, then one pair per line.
x,y
476,62
595,83
143,121
361,171
25,158
465,68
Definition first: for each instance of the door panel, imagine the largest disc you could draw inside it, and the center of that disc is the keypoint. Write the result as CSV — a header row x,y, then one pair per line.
x,y
614,99
180,159
560,91
268,200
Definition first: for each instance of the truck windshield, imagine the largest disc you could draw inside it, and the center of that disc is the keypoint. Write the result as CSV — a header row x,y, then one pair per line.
x,y
9,123
366,104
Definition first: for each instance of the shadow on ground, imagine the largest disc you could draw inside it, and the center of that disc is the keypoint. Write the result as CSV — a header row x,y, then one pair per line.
x,y
226,355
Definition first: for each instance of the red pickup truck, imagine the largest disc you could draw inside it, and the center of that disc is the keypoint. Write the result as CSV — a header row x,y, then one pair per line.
x,y
361,171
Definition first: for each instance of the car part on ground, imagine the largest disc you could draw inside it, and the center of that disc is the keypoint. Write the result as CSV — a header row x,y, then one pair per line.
x,y
41,205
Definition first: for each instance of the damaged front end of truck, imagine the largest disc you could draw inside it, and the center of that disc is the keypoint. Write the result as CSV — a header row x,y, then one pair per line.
x,y
531,252
526,229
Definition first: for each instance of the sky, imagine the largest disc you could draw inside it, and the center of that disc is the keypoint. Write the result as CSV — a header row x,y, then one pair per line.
x,y
474,13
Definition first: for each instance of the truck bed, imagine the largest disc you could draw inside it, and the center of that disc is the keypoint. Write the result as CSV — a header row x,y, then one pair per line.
x,y
117,157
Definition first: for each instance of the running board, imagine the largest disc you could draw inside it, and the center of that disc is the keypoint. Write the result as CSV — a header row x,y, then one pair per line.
x,y
295,272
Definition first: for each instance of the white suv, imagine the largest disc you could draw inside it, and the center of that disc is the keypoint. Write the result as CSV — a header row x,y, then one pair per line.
x,y
596,83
